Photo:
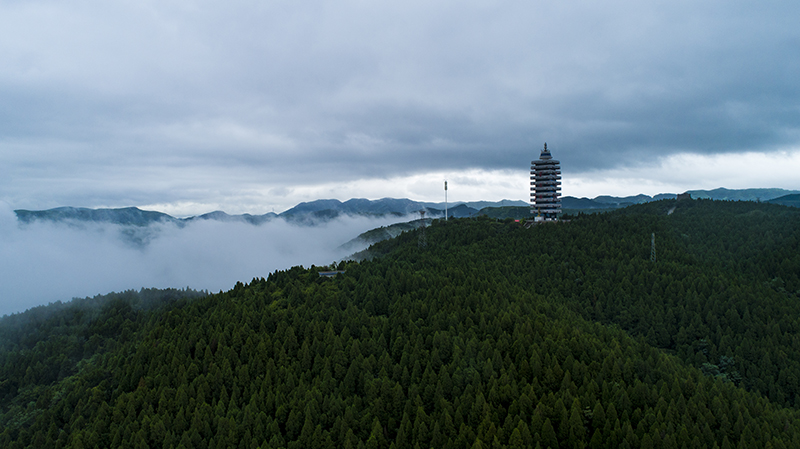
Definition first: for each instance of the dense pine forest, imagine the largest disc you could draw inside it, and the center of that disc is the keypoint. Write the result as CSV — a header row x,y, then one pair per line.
x,y
561,335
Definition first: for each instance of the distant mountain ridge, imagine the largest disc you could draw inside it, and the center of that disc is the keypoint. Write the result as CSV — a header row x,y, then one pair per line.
x,y
313,212
129,216
721,194
304,213
394,206
741,194
124,216
792,200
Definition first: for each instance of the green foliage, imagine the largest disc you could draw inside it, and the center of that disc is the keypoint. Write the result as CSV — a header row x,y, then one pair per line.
x,y
503,212
561,335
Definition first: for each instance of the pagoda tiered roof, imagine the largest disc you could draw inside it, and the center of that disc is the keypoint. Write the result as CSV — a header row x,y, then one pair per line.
x,y
545,186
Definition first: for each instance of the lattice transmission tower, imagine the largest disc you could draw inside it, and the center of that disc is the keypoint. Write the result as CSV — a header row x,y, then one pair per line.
x,y
653,247
423,241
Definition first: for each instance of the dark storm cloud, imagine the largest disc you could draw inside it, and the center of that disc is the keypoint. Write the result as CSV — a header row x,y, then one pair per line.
x,y
162,102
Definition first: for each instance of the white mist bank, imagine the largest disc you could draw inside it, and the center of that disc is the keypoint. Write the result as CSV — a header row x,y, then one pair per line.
x,y
44,262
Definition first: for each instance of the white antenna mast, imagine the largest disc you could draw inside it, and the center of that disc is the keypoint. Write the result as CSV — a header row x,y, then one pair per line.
x,y
445,200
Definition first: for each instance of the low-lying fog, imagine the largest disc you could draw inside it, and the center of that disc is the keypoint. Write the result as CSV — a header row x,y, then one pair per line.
x,y
44,262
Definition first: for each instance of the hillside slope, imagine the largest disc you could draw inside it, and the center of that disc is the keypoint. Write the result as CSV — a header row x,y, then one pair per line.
x,y
562,335
787,200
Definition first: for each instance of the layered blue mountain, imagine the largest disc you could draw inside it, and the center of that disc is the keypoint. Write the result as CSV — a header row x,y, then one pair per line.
x,y
129,216
320,211
741,194
570,202
390,206
792,200
246,218
304,213
720,194
323,210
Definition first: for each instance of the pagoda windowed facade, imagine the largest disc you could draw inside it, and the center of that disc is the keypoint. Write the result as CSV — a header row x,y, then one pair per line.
x,y
545,187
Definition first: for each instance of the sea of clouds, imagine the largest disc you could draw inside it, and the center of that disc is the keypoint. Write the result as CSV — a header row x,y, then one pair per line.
x,y
43,262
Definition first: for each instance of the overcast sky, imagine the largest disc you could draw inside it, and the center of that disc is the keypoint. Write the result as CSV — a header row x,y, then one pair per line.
x,y
254,106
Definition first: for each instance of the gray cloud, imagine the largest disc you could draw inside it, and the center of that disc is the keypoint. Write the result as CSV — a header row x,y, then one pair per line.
x,y
111,104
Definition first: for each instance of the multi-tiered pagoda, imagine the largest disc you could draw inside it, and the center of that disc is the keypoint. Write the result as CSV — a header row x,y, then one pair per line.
x,y
545,187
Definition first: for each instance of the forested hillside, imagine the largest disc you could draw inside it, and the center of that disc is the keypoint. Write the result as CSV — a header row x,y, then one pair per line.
x,y
492,335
